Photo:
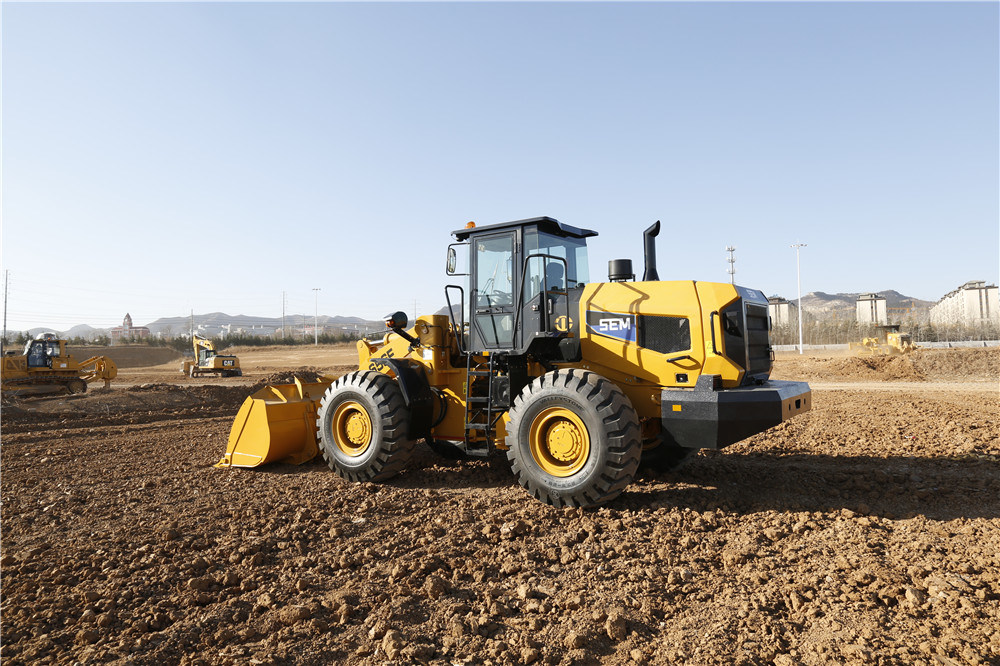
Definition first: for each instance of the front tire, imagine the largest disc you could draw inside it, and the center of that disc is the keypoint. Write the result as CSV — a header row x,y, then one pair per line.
x,y
362,427
573,439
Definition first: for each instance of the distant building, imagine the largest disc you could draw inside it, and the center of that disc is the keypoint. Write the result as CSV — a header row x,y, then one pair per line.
x,y
128,332
974,302
314,330
782,312
871,309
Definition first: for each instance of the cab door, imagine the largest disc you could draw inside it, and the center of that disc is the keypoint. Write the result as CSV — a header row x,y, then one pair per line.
x,y
494,283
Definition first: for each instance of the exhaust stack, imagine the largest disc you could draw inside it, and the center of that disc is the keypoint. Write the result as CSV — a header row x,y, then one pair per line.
x,y
648,237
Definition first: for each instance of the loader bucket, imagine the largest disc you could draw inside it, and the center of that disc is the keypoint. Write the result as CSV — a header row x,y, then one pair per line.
x,y
276,424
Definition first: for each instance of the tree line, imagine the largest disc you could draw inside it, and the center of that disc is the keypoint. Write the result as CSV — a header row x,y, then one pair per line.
x,y
819,332
183,344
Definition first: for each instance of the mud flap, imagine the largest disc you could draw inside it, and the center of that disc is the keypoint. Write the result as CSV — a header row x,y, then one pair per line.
x,y
417,395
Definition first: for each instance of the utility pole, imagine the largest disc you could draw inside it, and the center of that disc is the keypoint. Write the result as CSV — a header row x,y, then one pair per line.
x,y
798,278
283,315
316,319
732,264
6,281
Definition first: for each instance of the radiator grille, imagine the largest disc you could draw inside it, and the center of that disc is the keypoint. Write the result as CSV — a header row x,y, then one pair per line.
x,y
758,340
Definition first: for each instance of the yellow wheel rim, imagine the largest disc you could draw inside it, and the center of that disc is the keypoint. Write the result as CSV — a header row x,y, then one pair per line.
x,y
352,428
559,441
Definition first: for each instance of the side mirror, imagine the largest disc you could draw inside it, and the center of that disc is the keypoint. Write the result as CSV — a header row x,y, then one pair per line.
x,y
453,267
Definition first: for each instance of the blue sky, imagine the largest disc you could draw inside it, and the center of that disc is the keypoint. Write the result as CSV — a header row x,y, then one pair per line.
x,y
164,158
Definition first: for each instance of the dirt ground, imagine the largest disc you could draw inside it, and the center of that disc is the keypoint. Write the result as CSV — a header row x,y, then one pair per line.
x,y
865,531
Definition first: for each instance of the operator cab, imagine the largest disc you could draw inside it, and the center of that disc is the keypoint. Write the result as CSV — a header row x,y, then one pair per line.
x,y
41,351
523,275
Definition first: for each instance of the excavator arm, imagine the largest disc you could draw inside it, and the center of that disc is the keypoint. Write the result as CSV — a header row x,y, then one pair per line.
x,y
202,343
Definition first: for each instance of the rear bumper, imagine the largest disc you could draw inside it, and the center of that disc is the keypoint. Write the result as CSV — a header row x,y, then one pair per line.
x,y
704,418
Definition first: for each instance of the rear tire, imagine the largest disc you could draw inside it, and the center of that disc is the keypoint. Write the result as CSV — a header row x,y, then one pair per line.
x,y
363,427
573,439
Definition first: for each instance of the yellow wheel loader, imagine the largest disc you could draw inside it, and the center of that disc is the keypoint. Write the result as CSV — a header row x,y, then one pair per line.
x,y
209,362
577,382
46,367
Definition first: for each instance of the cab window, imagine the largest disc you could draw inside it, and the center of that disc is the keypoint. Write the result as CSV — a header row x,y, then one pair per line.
x,y
551,274
494,270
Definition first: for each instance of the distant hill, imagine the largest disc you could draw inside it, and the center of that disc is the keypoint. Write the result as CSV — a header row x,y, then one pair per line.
x,y
822,305
84,331
819,301
215,322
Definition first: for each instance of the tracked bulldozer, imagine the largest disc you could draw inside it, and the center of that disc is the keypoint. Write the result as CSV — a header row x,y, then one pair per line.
x,y
575,382
888,341
46,367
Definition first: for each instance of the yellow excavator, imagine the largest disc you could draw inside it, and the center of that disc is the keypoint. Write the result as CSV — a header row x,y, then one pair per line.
x,y
209,362
46,367
576,382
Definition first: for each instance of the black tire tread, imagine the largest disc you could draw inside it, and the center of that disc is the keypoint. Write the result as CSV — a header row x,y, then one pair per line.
x,y
395,447
621,426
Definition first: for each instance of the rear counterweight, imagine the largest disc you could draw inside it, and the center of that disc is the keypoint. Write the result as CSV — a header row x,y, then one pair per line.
x,y
706,418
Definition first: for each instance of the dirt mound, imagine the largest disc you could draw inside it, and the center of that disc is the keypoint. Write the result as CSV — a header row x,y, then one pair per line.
x,y
291,350
879,368
921,365
135,404
306,375
863,368
129,356
950,364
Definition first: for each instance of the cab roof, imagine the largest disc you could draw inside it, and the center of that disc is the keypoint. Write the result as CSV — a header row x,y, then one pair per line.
x,y
546,224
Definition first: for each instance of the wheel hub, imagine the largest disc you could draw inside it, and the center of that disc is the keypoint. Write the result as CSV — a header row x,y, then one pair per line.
x,y
559,441
564,441
357,429
352,428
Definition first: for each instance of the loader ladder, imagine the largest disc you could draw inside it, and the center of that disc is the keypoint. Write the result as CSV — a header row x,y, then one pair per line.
x,y
480,413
